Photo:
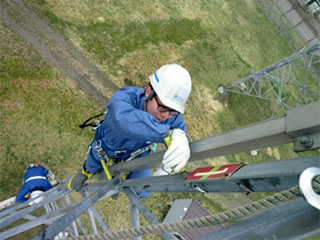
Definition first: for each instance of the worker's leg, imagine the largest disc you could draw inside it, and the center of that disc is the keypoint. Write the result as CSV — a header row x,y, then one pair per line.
x,y
93,163
90,166
141,174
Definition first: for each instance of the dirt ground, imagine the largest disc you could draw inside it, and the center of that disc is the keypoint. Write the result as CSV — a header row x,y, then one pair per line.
x,y
56,50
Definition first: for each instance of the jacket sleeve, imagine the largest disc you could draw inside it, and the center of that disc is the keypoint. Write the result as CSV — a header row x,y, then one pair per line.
x,y
133,122
21,194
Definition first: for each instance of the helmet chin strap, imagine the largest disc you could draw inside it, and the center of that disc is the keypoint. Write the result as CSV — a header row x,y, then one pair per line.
x,y
147,99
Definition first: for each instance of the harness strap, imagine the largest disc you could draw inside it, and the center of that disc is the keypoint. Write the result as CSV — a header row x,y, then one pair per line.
x,y
104,156
100,151
139,151
92,124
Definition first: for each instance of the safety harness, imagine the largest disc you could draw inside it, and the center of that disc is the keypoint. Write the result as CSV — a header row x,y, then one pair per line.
x,y
103,155
106,159
93,124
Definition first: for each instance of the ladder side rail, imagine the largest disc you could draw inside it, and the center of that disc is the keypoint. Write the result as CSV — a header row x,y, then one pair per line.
x,y
272,176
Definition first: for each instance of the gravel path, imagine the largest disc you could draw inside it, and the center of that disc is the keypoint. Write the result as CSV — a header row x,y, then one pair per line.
x,y
56,50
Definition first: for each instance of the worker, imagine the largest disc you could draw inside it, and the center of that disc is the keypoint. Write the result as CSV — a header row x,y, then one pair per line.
x,y
35,183
138,117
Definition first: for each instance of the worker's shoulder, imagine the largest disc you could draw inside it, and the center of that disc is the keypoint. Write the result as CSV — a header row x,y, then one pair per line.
x,y
129,92
132,89
36,170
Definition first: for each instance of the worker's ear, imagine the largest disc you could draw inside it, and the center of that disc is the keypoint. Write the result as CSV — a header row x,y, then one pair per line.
x,y
149,93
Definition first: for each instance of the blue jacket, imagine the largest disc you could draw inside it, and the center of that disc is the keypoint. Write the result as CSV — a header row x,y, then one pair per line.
x,y
35,178
127,127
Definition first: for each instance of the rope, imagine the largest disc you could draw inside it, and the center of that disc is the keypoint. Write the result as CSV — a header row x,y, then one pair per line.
x,y
214,219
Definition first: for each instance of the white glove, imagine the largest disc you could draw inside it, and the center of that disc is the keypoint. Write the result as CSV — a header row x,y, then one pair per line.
x,y
178,152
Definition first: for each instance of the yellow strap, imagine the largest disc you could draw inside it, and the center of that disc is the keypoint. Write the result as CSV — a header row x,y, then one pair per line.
x,y
167,141
89,175
106,169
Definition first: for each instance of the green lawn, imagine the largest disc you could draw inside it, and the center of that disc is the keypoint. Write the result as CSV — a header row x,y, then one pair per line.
x,y
219,42
40,112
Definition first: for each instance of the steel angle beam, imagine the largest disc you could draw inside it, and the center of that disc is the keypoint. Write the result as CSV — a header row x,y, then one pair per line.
x,y
268,133
36,221
145,212
291,58
260,177
260,135
101,222
294,220
66,220
16,213
16,207
135,218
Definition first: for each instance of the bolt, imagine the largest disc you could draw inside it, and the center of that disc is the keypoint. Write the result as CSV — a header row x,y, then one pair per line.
x,y
307,141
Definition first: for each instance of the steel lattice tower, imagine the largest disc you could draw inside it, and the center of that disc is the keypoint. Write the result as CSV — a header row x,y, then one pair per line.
x,y
289,83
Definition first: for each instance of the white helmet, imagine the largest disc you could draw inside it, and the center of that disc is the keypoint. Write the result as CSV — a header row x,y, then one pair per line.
x,y
35,194
172,83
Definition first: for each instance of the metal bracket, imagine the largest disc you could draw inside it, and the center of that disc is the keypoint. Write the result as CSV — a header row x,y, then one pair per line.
x,y
244,188
196,187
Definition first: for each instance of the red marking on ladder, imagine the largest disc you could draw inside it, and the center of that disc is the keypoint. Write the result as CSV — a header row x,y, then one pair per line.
x,y
214,172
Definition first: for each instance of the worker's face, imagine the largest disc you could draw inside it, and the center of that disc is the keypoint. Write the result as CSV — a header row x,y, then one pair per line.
x,y
153,107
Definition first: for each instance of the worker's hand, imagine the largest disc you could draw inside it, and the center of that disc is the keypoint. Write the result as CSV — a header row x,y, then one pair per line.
x,y
178,152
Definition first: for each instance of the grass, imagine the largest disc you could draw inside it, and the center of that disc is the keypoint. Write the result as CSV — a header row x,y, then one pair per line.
x,y
40,112
219,42
314,237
